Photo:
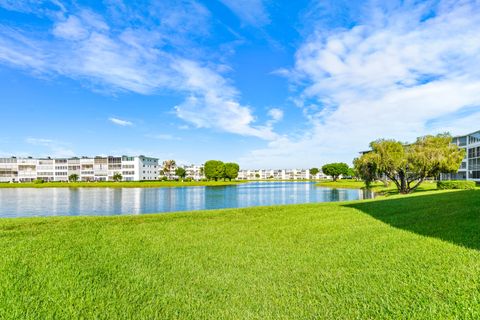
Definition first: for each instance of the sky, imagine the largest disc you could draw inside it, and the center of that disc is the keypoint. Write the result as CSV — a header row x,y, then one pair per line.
x,y
267,84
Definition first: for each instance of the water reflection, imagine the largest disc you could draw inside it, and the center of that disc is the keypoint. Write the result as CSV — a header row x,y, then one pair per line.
x,y
107,201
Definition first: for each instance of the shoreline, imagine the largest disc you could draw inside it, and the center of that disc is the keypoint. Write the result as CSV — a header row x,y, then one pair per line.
x,y
122,184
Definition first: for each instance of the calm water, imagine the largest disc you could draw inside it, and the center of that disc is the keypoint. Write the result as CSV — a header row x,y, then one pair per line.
x,y
106,201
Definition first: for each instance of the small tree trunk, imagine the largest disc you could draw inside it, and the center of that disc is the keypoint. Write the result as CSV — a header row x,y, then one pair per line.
x,y
403,183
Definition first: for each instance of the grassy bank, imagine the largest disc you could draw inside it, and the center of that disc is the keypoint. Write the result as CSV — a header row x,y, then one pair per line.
x,y
413,257
376,186
122,184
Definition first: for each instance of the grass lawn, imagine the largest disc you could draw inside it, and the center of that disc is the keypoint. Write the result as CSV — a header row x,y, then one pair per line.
x,y
402,257
376,186
121,184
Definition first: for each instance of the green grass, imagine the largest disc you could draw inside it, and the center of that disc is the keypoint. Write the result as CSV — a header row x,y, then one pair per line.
x,y
347,184
403,257
378,187
121,184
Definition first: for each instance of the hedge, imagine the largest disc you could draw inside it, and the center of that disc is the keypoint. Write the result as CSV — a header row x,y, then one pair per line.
x,y
456,184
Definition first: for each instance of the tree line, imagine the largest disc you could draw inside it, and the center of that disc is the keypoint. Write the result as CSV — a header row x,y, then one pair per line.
x,y
335,170
216,170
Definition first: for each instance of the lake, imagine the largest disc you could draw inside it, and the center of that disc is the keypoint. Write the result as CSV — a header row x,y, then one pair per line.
x,y
20,202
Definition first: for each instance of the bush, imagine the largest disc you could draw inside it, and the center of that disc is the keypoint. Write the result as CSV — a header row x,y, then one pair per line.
x,y
38,181
456,184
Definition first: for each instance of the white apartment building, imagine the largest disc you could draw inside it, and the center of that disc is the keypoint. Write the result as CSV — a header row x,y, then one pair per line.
x,y
278,174
470,167
194,172
136,168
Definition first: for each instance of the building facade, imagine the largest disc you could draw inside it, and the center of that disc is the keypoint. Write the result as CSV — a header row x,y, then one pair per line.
x,y
278,174
136,168
194,172
470,167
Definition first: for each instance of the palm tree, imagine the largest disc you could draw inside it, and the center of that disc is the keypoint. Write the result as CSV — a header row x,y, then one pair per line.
x,y
168,165
73,177
117,176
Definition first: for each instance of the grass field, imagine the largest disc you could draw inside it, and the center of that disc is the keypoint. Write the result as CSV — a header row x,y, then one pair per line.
x,y
402,257
121,184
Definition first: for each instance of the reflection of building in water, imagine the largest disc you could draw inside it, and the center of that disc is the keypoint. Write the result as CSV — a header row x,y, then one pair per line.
x,y
108,201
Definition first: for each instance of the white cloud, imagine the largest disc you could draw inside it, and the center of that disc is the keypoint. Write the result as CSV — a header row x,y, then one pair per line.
x,y
71,29
162,136
214,104
388,77
276,114
120,122
249,11
128,58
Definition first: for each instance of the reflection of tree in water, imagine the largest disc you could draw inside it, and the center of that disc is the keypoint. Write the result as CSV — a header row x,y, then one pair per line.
x,y
217,197
366,194
334,195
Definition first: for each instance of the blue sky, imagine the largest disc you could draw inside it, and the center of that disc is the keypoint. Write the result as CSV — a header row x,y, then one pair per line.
x,y
264,83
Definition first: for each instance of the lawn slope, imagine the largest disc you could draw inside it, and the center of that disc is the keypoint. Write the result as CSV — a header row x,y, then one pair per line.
x,y
414,257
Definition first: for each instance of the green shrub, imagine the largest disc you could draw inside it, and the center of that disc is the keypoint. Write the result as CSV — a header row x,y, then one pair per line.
x,y
456,184
38,181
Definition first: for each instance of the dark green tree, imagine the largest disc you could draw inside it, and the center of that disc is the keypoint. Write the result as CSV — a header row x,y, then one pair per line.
x,y
231,170
73,177
117,176
335,170
314,172
351,173
180,172
214,169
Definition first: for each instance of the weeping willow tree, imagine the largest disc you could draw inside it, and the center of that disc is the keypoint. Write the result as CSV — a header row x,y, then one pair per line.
x,y
408,165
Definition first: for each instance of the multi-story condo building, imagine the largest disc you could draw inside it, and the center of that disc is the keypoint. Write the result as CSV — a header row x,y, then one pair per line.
x,y
87,169
278,174
470,167
194,172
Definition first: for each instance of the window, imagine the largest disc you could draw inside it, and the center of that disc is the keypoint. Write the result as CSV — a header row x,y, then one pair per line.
x,y
8,160
474,138
474,152
475,174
